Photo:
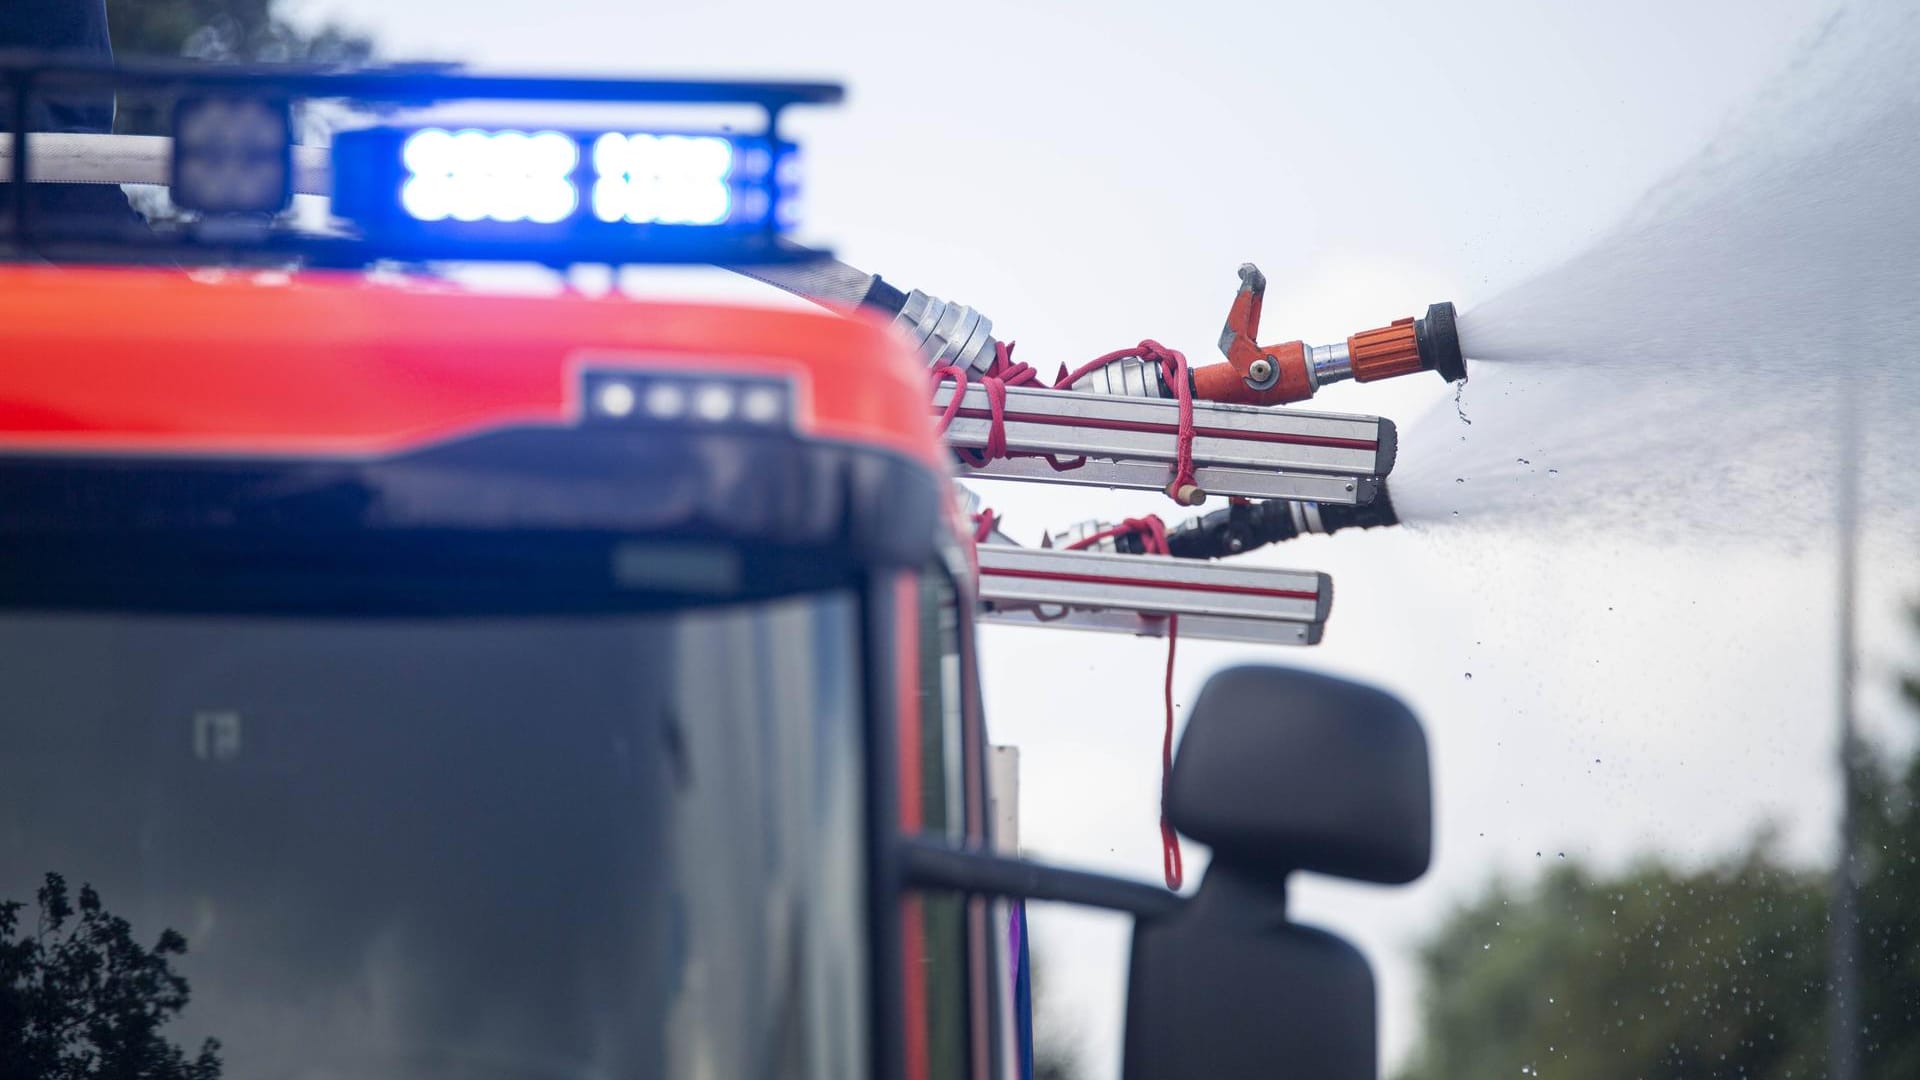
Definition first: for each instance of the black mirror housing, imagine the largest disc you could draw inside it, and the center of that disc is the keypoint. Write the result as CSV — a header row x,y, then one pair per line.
x,y
1228,988
1283,770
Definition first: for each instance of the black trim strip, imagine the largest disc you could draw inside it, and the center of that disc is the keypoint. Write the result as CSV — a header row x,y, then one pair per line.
x,y
886,959
930,864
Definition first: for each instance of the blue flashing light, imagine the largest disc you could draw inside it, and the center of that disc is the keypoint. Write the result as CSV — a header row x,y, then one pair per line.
x,y
662,179
562,195
474,175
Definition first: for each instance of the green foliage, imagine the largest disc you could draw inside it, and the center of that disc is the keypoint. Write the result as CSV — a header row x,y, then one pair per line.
x,y
226,30
1887,810
80,999
1661,973
1655,973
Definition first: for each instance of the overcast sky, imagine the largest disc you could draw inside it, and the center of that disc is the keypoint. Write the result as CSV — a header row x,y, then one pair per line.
x,y
1092,174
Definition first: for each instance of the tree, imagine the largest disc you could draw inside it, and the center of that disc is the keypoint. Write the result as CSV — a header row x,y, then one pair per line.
x,y
1887,809
1661,972
80,999
1655,973
227,30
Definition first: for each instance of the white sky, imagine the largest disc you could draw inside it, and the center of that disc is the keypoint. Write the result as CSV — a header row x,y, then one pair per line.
x,y
1092,174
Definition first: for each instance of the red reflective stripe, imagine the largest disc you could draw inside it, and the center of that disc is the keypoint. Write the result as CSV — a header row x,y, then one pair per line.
x,y
1169,429
1103,579
913,930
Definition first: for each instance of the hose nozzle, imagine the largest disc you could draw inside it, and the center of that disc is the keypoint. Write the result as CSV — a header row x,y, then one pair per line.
x,y
1257,374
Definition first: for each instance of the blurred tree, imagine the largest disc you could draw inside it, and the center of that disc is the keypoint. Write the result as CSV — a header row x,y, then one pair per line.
x,y
1888,813
1667,973
1655,973
81,1000
227,30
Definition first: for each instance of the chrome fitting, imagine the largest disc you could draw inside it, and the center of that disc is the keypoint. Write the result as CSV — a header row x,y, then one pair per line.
x,y
1129,376
1328,363
947,334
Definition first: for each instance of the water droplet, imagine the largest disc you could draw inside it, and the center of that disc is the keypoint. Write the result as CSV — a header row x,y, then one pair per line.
x,y
1553,472
1469,674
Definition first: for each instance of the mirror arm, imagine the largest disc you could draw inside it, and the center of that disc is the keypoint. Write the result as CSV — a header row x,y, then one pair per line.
x,y
932,864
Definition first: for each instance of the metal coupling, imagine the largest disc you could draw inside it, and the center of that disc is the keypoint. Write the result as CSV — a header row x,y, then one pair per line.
x,y
1328,363
1130,376
947,334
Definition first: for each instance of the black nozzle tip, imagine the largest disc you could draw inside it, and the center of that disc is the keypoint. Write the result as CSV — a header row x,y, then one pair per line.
x,y
1372,514
1439,339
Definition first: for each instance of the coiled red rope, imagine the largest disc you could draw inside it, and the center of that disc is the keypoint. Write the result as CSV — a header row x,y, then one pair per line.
x,y
1005,372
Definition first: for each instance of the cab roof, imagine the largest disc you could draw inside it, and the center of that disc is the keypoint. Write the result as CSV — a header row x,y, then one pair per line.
x,y
168,362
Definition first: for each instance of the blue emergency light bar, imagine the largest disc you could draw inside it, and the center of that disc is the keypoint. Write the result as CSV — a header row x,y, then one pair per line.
x,y
603,185
555,195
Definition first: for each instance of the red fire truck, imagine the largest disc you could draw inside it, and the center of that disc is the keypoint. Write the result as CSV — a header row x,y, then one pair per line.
x,y
518,687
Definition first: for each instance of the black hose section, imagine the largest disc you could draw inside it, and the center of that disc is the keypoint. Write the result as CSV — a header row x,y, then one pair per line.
x,y
1233,529
883,297
1241,527
827,282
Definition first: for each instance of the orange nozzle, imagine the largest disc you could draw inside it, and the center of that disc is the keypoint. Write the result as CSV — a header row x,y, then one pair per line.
x,y
1385,352
1277,374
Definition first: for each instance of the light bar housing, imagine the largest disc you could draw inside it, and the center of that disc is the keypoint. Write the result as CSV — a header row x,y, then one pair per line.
x,y
557,195
675,191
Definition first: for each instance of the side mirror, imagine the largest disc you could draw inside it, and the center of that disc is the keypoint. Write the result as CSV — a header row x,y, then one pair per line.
x,y
1279,771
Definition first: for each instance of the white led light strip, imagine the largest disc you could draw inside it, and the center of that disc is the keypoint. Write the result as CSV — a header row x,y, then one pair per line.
x,y
477,175
662,179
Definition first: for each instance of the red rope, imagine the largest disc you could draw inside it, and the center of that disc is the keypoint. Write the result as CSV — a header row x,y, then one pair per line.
x,y
1169,840
1004,371
984,523
1173,369
1153,541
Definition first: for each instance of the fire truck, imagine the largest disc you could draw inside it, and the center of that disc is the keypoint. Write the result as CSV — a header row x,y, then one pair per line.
x,y
540,686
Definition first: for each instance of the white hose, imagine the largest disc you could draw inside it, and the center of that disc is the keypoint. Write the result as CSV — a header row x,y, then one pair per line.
x,y
62,158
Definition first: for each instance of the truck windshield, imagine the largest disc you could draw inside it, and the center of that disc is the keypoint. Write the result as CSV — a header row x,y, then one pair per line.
x,y
582,847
